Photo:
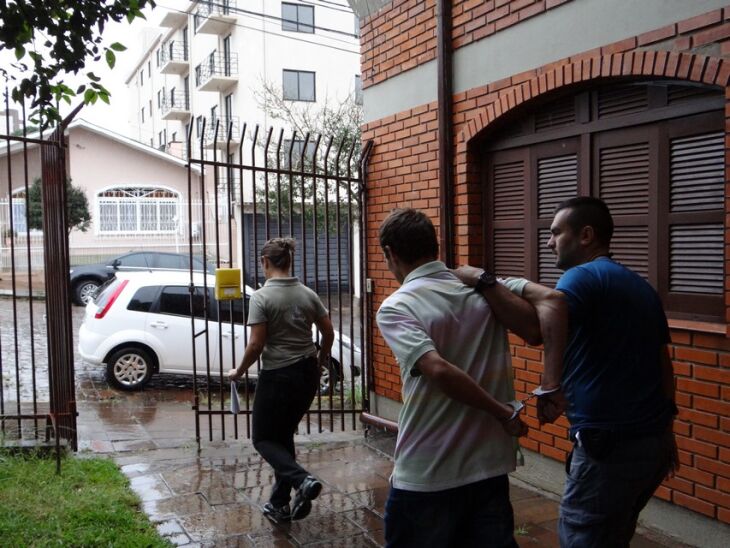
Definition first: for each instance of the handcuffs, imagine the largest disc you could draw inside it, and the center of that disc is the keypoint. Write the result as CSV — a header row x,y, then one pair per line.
x,y
519,405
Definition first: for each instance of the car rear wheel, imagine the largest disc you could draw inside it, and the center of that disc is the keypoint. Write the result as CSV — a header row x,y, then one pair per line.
x,y
85,290
329,377
129,368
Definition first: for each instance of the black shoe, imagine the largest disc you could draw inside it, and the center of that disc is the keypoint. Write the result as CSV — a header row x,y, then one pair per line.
x,y
282,514
307,492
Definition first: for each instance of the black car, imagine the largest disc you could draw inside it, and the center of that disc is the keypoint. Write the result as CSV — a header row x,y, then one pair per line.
x,y
86,279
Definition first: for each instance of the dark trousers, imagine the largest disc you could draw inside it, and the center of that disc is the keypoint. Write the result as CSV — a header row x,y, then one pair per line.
x,y
282,397
476,515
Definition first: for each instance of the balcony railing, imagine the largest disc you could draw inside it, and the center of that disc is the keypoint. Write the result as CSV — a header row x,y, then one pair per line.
x,y
217,72
173,57
175,106
223,123
214,17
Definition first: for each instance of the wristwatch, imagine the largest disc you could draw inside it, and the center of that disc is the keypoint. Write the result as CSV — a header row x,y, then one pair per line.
x,y
485,281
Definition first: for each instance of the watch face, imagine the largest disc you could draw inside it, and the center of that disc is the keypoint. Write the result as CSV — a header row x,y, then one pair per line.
x,y
487,279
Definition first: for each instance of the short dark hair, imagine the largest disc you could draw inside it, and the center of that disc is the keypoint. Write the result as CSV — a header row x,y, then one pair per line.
x,y
410,234
589,211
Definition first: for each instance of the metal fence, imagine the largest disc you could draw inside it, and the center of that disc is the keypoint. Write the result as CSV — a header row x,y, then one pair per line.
x,y
310,188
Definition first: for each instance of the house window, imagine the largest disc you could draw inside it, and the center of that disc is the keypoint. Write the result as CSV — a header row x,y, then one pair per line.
x,y
142,114
157,55
197,75
297,149
198,126
137,210
298,85
149,69
358,90
159,98
141,77
227,55
653,152
297,18
162,139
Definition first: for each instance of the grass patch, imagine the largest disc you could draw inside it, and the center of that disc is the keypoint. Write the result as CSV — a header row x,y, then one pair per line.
x,y
88,504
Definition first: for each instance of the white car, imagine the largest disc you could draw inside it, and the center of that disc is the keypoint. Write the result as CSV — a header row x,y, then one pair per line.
x,y
140,324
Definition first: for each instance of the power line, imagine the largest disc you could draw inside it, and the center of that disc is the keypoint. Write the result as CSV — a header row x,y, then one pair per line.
x,y
275,18
274,33
341,7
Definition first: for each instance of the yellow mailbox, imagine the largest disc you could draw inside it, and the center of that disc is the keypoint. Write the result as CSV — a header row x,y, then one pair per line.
x,y
227,284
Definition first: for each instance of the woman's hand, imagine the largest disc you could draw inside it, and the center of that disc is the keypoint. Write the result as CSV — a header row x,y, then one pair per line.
x,y
234,375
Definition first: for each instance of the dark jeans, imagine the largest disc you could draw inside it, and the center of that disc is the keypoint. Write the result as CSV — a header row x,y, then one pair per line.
x,y
282,398
475,515
603,496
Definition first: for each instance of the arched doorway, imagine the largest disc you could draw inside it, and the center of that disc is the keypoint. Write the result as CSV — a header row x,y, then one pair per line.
x,y
654,151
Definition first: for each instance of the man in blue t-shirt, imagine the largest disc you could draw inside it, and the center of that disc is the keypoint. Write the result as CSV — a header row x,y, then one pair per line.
x,y
617,379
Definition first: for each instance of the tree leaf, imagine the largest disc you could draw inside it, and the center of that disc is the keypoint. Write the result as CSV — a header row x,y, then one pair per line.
x,y
116,46
19,52
111,59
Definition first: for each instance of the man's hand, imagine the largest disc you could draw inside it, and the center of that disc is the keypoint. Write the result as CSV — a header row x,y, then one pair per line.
x,y
469,275
515,427
233,375
551,406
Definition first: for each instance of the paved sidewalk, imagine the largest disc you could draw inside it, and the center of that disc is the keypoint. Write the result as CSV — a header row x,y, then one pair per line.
x,y
213,497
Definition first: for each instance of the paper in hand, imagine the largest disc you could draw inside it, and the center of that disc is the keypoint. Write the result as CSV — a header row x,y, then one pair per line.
x,y
235,404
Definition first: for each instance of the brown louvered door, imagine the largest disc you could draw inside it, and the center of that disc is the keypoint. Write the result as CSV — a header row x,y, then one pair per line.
x,y
694,236
556,167
507,173
624,176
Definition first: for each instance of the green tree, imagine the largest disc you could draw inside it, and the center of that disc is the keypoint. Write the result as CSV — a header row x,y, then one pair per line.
x,y
59,37
78,216
338,121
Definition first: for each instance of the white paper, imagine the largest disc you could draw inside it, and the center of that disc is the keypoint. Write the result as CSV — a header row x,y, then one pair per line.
x,y
235,404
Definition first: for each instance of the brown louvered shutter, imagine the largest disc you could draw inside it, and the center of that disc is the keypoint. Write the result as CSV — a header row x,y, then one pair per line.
x,y
622,100
557,180
697,185
623,175
507,182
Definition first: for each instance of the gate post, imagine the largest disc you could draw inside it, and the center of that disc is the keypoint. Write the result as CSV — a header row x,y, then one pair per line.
x,y
58,302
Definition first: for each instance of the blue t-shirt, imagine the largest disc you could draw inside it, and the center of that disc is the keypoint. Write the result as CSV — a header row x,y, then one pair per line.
x,y
612,373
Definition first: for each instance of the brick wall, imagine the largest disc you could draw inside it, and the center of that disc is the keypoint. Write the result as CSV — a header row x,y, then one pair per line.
x,y
404,172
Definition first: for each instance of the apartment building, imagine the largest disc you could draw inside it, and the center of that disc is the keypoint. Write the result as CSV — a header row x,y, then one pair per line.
x,y
210,60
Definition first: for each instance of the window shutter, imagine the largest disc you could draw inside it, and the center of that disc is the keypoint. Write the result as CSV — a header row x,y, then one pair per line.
x,y
509,252
549,274
630,247
557,180
696,258
509,190
559,113
618,101
623,178
697,172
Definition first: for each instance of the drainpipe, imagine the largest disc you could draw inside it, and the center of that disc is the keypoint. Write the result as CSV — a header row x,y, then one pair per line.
x,y
444,67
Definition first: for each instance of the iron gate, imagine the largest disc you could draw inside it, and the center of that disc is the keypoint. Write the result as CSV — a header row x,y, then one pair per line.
x,y
37,387
264,186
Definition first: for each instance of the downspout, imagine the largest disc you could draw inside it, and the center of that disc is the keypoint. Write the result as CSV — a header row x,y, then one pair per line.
x,y
444,67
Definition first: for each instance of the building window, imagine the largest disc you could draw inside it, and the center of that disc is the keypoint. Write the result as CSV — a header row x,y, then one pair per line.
x,y
159,98
298,85
357,27
162,139
197,75
149,69
198,126
137,210
157,55
297,18
297,149
358,90
141,77
173,138
653,152
142,114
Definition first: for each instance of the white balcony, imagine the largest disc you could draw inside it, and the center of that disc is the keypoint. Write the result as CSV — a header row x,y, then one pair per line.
x,y
173,19
174,58
175,106
215,17
217,132
217,72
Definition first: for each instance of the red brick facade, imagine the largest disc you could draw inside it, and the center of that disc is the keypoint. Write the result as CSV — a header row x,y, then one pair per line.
x,y
403,171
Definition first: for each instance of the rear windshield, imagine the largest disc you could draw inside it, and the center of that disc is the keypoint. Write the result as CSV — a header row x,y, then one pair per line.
x,y
106,291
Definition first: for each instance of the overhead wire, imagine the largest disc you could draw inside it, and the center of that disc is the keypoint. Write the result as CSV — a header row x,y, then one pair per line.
x,y
275,33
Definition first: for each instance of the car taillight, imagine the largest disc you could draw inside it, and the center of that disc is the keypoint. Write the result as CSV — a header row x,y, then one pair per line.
x,y
113,297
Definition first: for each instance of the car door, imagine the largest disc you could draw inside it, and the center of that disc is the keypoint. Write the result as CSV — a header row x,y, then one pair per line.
x,y
234,335
169,326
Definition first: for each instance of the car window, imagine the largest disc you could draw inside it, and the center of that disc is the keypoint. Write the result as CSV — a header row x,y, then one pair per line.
x,y
175,300
105,291
143,298
177,262
235,308
135,260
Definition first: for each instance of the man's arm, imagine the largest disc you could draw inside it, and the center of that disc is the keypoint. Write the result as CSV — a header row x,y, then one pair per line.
x,y
511,311
667,374
459,386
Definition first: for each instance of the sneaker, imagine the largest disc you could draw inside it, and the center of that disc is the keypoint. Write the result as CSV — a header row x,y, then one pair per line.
x,y
307,492
282,514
